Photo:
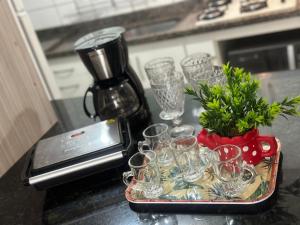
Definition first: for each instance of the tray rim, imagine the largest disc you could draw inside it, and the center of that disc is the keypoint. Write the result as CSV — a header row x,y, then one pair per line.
x,y
214,202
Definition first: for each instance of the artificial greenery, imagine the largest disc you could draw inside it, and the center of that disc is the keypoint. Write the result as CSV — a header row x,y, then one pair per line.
x,y
235,108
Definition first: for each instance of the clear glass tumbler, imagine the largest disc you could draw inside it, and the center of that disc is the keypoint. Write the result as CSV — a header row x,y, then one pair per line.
x,y
145,174
160,70
158,139
170,97
196,68
188,158
233,173
168,88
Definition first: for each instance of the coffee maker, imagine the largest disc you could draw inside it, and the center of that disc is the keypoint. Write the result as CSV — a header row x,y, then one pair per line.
x,y
116,89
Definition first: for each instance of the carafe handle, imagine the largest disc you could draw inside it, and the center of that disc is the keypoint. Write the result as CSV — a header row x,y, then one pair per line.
x,y
87,112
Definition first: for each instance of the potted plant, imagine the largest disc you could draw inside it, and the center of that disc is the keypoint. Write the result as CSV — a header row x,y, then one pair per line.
x,y
234,111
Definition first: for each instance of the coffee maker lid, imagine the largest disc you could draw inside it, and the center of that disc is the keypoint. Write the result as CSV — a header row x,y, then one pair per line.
x,y
95,40
99,38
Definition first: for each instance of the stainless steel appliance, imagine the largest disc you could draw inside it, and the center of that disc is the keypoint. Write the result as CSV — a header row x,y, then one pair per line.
x,y
229,10
264,53
117,91
78,153
297,55
261,59
119,102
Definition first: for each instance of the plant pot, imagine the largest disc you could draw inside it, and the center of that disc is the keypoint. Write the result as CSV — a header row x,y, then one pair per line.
x,y
254,146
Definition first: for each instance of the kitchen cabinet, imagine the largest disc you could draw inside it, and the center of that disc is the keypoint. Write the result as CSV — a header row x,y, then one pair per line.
x,y
25,110
141,54
193,44
71,76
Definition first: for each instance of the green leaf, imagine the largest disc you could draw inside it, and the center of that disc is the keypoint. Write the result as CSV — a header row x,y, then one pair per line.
x,y
215,104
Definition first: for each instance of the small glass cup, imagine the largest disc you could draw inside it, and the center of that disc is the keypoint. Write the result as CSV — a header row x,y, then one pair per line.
x,y
188,158
157,139
230,169
145,174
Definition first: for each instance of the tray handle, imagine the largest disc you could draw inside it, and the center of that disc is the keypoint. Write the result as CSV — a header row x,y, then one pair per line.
x,y
127,137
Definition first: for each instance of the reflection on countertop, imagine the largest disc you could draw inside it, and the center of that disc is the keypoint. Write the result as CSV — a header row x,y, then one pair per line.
x,y
176,20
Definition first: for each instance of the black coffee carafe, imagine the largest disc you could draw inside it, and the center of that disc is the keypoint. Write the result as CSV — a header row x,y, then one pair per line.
x,y
116,90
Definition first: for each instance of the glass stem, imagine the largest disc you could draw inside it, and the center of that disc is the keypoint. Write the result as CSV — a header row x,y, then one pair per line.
x,y
177,121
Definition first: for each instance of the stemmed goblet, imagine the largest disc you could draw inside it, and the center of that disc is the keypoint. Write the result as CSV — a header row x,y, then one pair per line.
x,y
198,68
168,87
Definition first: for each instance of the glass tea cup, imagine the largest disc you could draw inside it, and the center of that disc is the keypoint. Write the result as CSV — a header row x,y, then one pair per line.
x,y
233,173
191,163
145,174
157,139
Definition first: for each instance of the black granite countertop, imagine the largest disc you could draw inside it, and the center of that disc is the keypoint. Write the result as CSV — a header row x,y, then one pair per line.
x,y
99,199
176,20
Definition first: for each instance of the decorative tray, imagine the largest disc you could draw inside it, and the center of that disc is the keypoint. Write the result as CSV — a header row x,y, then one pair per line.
x,y
205,194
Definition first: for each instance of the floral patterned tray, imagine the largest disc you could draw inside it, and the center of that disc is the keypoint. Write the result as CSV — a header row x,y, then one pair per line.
x,y
206,192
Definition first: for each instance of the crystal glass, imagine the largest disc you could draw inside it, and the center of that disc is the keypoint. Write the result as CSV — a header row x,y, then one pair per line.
x,y
197,67
188,158
170,96
160,70
145,174
217,77
233,173
168,85
157,139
